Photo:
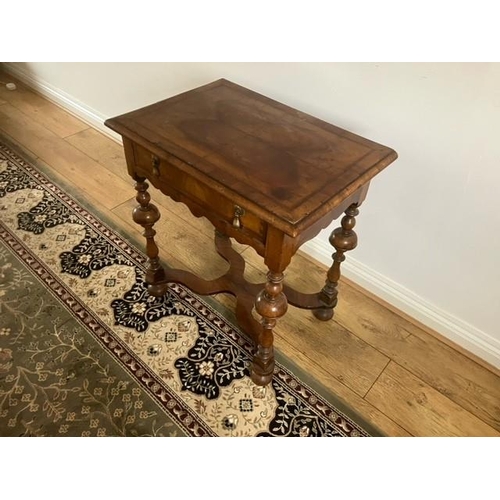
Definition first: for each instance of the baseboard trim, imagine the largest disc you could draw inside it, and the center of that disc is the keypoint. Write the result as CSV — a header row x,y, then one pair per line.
x,y
73,106
456,330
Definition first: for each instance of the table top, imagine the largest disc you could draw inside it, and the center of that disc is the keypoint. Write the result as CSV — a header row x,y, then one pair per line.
x,y
291,164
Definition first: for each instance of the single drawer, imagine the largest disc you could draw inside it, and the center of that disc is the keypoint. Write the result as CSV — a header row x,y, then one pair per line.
x,y
203,200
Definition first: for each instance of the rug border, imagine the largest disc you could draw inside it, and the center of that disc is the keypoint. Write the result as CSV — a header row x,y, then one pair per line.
x,y
287,364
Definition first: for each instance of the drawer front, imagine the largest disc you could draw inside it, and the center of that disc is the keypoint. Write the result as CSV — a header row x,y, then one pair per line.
x,y
234,220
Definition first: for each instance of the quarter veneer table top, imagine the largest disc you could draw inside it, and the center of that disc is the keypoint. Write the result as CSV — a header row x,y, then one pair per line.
x,y
286,166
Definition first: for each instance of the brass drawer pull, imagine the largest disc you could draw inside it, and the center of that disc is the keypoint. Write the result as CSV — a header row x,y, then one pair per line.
x,y
155,162
238,212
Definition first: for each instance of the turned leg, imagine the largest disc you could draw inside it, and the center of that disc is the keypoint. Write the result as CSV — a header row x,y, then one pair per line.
x,y
271,304
342,239
146,214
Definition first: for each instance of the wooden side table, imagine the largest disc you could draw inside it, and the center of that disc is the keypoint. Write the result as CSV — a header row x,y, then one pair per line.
x,y
263,173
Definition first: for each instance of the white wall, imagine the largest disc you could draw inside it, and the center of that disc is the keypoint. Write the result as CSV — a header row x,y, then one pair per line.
x,y
429,229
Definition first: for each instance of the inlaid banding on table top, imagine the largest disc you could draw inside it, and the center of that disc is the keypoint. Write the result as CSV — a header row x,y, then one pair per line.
x,y
265,152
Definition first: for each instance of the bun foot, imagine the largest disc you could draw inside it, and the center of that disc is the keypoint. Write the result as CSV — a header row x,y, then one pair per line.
x,y
158,289
262,368
323,314
260,378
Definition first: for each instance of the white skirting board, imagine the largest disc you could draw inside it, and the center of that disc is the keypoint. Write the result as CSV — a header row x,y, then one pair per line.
x,y
464,334
66,101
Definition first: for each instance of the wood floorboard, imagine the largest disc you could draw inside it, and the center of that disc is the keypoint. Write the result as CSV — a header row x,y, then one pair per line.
x,y
394,373
39,109
451,373
422,410
70,162
421,329
104,151
349,397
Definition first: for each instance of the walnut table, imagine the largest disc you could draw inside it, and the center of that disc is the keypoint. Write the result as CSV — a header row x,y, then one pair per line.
x,y
263,173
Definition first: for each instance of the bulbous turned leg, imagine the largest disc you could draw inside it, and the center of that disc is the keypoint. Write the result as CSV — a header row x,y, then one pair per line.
x,y
271,304
342,239
146,214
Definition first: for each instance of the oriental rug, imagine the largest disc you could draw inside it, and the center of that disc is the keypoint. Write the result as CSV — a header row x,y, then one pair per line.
x,y
85,351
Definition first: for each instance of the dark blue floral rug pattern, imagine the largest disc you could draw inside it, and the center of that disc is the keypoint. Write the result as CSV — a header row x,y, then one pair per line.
x,y
188,358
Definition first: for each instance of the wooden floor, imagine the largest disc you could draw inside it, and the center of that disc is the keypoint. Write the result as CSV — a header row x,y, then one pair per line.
x,y
395,373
